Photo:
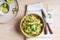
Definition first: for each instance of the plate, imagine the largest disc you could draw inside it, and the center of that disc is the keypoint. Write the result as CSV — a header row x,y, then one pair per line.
x,y
8,10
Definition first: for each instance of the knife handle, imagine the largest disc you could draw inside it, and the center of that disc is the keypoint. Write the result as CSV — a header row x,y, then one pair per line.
x,y
49,28
45,29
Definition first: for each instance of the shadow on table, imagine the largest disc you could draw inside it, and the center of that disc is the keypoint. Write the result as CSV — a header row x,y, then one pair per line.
x,y
17,25
17,28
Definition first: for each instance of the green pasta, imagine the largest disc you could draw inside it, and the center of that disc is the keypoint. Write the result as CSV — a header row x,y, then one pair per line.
x,y
32,24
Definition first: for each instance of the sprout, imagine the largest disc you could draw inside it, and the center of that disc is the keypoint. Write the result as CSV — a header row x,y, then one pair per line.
x,y
50,15
5,7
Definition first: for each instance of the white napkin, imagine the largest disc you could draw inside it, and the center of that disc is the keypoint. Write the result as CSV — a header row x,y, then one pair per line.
x,y
35,8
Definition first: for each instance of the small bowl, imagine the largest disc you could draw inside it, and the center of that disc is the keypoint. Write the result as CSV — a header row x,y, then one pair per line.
x,y
22,26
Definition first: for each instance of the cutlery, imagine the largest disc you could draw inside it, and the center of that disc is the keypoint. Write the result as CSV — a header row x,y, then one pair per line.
x,y
45,23
43,15
25,10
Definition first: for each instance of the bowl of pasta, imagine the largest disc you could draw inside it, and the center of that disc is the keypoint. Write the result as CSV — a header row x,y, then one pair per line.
x,y
32,25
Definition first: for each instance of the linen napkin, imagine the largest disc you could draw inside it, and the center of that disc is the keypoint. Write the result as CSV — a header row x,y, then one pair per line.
x,y
36,8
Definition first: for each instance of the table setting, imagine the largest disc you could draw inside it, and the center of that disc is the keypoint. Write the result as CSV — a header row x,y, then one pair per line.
x,y
36,23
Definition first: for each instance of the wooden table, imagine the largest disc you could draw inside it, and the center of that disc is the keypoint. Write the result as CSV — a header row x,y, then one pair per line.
x,y
11,31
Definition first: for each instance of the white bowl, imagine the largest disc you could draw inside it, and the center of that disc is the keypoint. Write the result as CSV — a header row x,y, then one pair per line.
x,y
11,13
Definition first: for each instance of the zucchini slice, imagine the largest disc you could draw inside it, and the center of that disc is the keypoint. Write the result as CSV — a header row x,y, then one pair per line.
x,y
9,1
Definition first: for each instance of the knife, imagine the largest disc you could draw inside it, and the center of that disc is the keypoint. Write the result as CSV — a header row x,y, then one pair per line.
x,y
45,23
43,15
